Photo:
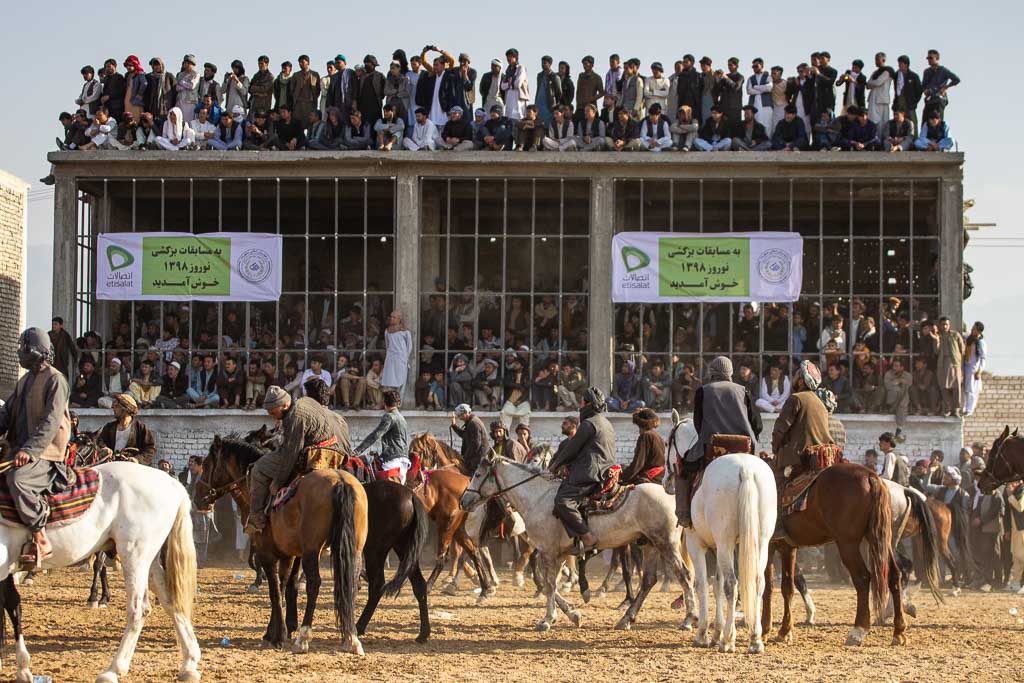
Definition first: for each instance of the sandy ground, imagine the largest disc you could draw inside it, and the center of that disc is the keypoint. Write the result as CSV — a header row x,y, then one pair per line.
x,y
974,637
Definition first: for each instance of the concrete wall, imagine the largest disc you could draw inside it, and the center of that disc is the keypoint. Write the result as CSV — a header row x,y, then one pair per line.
x,y
1001,404
181,433
13,221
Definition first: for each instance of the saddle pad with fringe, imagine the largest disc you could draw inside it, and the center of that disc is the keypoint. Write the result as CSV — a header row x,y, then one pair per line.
x,y
609,502
283,496
65,507
794,496
820,457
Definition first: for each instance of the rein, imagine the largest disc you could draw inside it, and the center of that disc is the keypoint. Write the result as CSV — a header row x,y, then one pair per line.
x,y
500,492
998,455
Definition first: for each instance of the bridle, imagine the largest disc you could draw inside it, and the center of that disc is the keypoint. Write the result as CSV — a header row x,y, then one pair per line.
x,y
998,456
492,474
234,488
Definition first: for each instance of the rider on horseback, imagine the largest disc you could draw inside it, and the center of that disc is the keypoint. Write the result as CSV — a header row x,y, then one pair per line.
x,y
649,455
127,432
37,426
504,446
590,453
473,435
720,407
305,424
393,435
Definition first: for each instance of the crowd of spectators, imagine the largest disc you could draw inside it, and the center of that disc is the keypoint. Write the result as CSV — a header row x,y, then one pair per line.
x,y
435,101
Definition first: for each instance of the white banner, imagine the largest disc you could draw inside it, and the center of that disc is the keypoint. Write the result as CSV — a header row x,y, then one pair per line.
x,y
672,267
180,266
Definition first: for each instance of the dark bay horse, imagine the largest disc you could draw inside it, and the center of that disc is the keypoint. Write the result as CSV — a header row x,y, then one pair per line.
x,y
848,504
328,507
1005,462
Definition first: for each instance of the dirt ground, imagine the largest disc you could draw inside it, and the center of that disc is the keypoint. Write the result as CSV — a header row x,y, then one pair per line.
x,y
973,637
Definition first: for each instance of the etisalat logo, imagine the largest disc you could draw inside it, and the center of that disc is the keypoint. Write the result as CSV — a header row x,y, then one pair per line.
x,y
635,260
119,258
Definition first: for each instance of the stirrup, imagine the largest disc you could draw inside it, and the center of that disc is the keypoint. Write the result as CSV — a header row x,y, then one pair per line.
x,y
30,557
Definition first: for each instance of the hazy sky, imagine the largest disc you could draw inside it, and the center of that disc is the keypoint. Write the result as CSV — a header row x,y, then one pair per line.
x,y
44,47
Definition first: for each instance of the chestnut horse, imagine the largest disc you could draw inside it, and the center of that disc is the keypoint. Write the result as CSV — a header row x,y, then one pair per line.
x,y
1005,462
328,507
848,504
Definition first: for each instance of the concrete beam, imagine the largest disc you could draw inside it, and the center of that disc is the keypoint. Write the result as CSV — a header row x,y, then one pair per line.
x,y
407,266
951,251
601,320
65,222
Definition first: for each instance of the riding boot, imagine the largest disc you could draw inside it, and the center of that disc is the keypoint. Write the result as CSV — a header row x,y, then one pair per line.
x,y
257,514
683,506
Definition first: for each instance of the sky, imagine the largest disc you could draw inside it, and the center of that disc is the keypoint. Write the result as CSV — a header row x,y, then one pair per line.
x,y
50,46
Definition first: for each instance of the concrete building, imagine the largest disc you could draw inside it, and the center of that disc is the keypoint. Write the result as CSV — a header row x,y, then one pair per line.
x,y
13,224
519,244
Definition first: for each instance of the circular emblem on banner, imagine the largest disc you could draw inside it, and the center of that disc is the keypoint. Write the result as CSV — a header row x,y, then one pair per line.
x,y
773,265
255,266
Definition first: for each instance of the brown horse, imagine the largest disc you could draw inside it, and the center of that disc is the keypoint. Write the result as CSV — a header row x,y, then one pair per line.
x,y
847,504
328,507
1005,461
432,454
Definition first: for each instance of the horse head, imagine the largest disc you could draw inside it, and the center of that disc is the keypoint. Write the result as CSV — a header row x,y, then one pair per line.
x,y
483,483
224,469
1005,461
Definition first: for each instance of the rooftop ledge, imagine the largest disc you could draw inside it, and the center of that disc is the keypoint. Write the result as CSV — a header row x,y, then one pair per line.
x,y
480,161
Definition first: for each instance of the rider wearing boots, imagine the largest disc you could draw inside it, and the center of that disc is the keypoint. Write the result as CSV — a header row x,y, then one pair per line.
x,y
590,453
720,406
37,427
649,455
393,435
304,423
504,446
802,424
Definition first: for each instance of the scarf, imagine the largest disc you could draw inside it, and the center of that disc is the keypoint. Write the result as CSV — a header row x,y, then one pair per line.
x,y
173,130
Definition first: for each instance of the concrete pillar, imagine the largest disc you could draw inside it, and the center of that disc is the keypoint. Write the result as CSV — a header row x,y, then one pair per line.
x,y
65,222
407,267
601,315
951,251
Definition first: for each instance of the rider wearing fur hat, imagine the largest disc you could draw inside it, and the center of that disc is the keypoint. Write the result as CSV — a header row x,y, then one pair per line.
x,y
37,426
649,455
589,454
504,446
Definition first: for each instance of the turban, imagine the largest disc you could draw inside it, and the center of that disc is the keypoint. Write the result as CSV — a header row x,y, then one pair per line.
x,y
595,397
810,374
127,403
276,397
953,473
720,369
463,409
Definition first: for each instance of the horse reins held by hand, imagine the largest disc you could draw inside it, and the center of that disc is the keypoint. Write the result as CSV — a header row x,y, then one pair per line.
x,y
497,494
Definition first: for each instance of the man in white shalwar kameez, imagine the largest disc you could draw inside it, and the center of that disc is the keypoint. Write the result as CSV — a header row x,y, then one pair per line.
x,y
176,135
515,86
398,342
880,92
974,365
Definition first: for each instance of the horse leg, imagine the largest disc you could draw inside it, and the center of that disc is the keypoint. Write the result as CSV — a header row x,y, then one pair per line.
x,y
374,589
311,569
485,554
613,567
850,554
522,559
899,625
766,595
444,541
700,570
254,587
650,577
581,571
419,589
273,635
726,603
625,560
552,571
290,580
183,631
136,579
788,555
535,570
97,567
486,590
12,605
805,594
674,555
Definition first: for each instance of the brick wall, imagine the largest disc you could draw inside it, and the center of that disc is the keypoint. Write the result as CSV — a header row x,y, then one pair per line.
x,y
13,203
181,433
1001,404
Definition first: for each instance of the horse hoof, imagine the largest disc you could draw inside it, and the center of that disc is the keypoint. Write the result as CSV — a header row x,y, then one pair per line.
x,y
542,626
576,618
357,648
253,589
450,589
600,593
700,641
624,624
94,604
856,637
685,626
690,620
678,603
784,639
519,580
483,599
726,647
809,620
899,641
302,639
755,648
105,677
910,611
192,676
586,596
422,638
28,581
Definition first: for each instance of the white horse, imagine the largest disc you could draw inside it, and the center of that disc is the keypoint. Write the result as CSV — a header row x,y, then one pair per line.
x,y
647,513
138,510
735,504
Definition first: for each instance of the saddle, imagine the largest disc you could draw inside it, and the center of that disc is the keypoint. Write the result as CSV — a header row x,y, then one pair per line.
x,y
65,507
813,461
721,444
611,496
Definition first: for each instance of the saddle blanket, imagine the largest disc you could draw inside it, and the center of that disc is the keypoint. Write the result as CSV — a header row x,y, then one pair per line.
x,y
794,495
610,502
65,507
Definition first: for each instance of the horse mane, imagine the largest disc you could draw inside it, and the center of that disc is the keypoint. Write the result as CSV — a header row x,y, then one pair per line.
x,y
245,452
527,467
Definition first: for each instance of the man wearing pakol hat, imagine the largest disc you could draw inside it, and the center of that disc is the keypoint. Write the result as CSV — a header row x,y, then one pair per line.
x,y
589,454
37,426
304,424
127,431
473,435
720,406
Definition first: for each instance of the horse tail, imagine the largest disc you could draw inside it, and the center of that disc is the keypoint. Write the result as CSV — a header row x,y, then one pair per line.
x,y
180,561
879,541
415,538
343,558
929,541
749,519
